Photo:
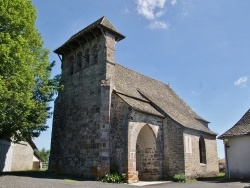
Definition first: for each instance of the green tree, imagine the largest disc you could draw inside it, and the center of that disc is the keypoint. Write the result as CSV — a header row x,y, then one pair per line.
x,y
25,84
43,153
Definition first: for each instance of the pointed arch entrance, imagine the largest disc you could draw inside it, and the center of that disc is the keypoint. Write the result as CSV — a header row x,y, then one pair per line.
x,y
148,157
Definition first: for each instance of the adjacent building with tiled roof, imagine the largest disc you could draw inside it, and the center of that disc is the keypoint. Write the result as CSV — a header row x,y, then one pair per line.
x,y
237,141
241,128
110,117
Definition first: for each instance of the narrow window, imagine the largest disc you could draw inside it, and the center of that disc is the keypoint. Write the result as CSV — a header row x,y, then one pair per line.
x,y
202,150
71,65
95,53
79,60
86,57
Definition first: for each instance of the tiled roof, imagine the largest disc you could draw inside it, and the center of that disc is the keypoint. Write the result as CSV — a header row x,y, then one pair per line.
x,y
160,96
242,127
102,23
141,105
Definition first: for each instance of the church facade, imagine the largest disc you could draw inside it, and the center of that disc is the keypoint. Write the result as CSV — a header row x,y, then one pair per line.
x,y
110,117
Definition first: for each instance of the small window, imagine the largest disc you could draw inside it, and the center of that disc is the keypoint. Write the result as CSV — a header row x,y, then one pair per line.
x,y
95,53
202,150
86,57
79,60
71,65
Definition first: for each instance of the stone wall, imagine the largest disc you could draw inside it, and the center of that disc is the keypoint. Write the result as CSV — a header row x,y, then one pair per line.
x,y
22,157
94,129
118,134
173,148
145,146
79,142
193,167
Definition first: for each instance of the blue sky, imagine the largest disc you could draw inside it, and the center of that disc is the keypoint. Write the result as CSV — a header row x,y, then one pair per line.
x,y
200,48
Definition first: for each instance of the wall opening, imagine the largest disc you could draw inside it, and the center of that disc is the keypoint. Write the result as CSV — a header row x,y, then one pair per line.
x,y
202,150
148,161
95,53
71,65
79,58
86,58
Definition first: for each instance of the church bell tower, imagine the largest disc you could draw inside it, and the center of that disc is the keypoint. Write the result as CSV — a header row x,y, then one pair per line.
x,y
80,132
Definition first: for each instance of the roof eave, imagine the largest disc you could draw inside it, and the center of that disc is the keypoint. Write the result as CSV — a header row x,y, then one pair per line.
x,y
143,111
118,35
223,136
60,50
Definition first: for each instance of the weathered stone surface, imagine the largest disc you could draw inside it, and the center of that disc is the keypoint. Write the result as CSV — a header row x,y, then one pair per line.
x,y
173,148
193,167
100,125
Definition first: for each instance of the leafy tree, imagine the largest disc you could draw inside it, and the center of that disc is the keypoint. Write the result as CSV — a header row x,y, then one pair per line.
x,y
25,84
43,153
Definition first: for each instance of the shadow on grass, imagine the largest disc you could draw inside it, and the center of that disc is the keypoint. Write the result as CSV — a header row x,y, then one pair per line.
x,y
222,179
44,175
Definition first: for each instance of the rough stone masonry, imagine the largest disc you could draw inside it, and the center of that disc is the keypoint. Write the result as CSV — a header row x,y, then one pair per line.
x,y
109,117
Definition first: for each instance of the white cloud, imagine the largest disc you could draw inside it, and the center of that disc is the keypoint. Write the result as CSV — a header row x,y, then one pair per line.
x,y
173,2
241,81
152,10
159,14
159,25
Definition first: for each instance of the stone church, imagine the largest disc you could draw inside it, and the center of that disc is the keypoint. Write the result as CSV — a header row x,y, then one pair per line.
x,y
110,117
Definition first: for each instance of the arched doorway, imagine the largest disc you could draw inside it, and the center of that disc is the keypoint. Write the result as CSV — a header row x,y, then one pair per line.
x,y
148,160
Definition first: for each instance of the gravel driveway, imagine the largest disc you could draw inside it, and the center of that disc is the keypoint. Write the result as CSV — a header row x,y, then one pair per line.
x,y
44,180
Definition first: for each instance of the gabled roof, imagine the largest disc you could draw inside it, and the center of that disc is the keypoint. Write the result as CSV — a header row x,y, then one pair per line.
x,y
242,127
140,105
156,98
32,144
36,154
102,23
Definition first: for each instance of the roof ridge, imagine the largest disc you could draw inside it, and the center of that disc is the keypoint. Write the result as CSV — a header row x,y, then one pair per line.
x,y
161,97
168,87
107,24
121,93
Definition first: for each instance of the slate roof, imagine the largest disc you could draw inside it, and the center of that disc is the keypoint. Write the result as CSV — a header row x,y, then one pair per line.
x,y
140,105
141,92
102,23
242,127
152,96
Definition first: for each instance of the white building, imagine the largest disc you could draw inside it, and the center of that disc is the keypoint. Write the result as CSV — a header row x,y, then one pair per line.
x,y
18,156
237,148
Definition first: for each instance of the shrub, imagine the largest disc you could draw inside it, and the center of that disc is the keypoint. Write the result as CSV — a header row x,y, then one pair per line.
x,y
182,178
113,178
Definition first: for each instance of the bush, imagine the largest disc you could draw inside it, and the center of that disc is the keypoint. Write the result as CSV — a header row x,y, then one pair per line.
x,y
182,178
113,178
